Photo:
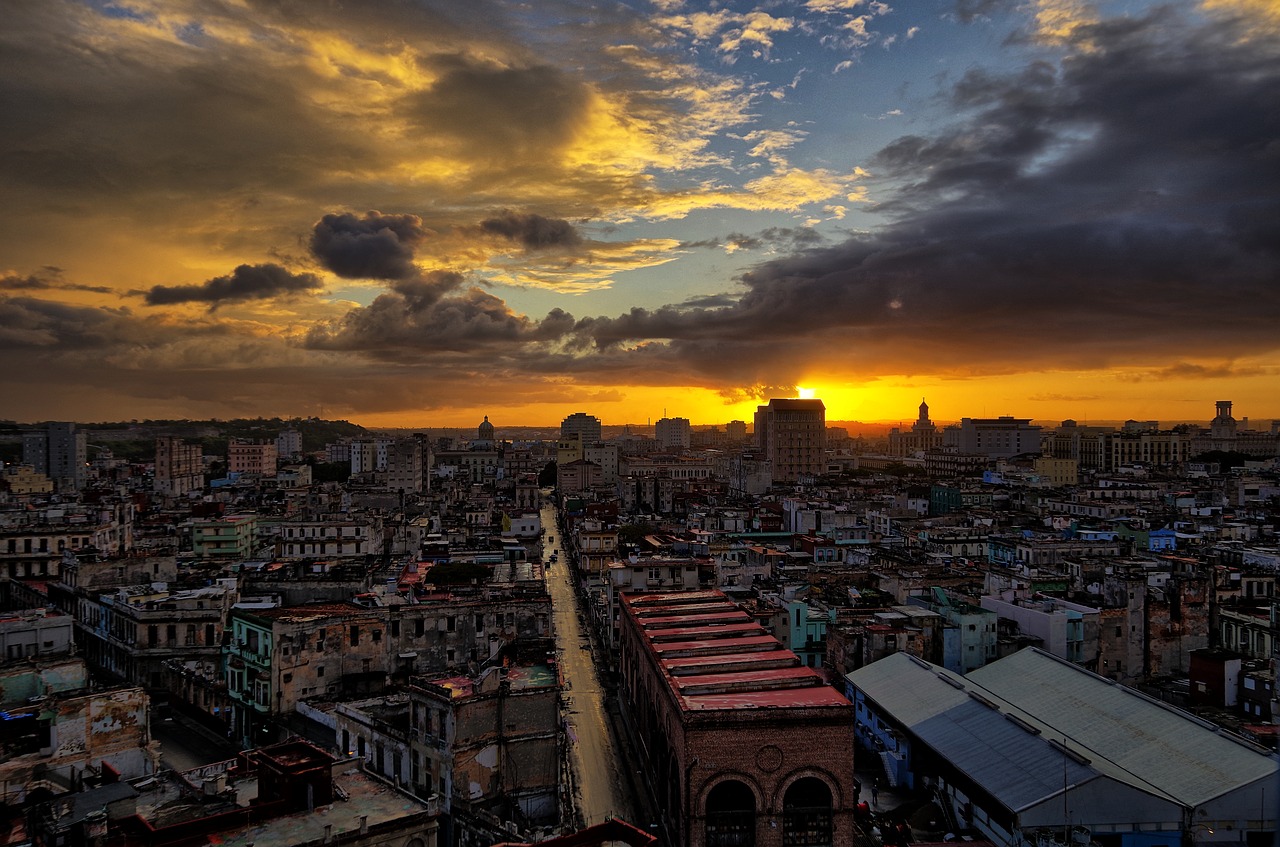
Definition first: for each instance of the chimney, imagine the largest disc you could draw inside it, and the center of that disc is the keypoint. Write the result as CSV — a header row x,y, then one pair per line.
x,y
364,824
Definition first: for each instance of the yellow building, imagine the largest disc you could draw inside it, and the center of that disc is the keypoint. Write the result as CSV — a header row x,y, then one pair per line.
x,y
23,479
1058,471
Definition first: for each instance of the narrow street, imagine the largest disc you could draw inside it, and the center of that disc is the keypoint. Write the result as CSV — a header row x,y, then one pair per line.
x,y
184,746
599,786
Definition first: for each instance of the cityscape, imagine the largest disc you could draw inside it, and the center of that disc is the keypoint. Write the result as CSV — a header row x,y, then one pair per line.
x,y
661,423
1006,632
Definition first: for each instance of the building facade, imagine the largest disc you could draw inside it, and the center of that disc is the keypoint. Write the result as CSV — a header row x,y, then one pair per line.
x,y
792,434
726,720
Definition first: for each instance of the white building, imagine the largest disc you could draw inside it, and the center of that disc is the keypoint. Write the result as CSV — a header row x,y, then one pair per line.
x,y
672,433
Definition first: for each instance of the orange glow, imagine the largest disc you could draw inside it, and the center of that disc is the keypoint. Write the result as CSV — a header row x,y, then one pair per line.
x,y
1048,398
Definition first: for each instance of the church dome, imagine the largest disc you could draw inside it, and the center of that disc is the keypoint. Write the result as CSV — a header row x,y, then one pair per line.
x,y
485,430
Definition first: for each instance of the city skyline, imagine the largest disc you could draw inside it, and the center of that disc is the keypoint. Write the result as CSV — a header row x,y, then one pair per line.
x,y
412,214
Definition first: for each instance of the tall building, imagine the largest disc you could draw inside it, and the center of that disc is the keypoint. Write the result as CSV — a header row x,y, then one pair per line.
x,y
179,467
792,434
922,436
289,444
587,427
736,431
404,466
672,433
995,438
60,452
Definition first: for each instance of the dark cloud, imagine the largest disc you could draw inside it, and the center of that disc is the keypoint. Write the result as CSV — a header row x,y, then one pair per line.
x,y
50,328
431,315
506,117
48,278
376,246
1191,370
774,237
710,301
1118,208
246,282
534,232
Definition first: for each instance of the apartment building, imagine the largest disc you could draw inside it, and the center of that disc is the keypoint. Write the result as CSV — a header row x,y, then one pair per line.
x,y
792,434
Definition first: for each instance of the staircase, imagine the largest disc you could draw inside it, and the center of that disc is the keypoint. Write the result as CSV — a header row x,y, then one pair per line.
x,y
890,768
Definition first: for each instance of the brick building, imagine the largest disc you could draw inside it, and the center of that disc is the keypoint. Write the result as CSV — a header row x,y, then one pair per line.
x,y
726,720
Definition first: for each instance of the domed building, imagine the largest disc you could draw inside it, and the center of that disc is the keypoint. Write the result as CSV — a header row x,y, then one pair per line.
x,y
484,436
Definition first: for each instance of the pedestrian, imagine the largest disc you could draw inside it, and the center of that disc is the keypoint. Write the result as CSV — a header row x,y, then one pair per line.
x,y
875,794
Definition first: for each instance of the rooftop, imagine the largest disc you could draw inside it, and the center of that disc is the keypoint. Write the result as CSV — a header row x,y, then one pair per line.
x,y
163,800
714,656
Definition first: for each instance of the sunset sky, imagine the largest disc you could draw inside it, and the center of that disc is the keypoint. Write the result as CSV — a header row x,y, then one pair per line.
x,y
413,213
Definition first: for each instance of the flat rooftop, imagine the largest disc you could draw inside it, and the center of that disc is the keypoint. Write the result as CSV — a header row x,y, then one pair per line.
x,y
164,802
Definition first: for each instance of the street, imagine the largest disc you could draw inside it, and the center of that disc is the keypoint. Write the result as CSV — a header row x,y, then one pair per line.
x,y
183,746
600,787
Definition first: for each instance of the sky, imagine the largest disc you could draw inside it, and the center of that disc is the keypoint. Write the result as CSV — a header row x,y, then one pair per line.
x,y
412,213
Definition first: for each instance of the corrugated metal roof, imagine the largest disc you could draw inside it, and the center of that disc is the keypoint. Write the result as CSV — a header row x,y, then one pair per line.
x,y
1179,754
1017,767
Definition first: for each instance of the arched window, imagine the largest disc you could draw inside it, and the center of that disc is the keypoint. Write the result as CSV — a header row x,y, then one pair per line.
x,y
731,816
806,814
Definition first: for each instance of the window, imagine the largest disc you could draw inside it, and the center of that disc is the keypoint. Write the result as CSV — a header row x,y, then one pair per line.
x,y
395,629
419,627
319,670
355,636
377,636
287,677
451,624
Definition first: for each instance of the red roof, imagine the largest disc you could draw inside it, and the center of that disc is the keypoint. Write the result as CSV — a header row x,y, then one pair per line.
x,y
718,657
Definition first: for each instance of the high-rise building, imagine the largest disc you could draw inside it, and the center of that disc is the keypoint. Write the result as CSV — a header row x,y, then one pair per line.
x,y
60,452
995,438
404,466
289,444
736,431
587,427
179,467
672,433
792,433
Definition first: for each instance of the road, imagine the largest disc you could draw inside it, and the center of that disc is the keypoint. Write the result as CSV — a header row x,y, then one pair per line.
x,y
599,785
183,746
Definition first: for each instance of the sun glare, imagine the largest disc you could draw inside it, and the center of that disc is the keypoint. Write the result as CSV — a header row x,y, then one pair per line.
x,y
806,393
